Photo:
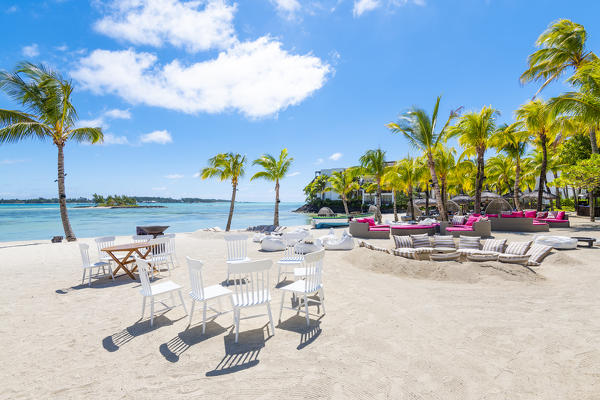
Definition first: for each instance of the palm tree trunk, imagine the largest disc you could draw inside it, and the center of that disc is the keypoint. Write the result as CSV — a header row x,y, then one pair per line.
x,y
517,184
542,181
62,197
412,204
444,195
231,206
378,216
395,208
593,141
558,200
276,216
436,187
345,204
479,181
592,206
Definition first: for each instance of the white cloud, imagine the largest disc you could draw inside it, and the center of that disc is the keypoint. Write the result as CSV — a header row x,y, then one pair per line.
x,y
335,156
109,139
92,123
287,8
160,137
182,24
63,47
10,162
115,113
257,78
197,175
31,50
362,6
294,174
174,176
319,161
159,189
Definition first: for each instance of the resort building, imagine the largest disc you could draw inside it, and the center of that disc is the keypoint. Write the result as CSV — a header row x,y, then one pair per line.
x,y
366,198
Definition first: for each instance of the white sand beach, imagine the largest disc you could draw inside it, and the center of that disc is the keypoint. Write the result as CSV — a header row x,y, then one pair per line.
x,y
394,329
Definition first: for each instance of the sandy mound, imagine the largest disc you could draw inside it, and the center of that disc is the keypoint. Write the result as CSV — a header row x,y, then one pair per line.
x,y
469,272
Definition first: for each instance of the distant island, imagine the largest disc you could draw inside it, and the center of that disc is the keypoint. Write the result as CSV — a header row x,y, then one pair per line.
x,y
138,199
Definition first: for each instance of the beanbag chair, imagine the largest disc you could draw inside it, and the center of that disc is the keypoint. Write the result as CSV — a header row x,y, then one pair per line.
x,y
271,243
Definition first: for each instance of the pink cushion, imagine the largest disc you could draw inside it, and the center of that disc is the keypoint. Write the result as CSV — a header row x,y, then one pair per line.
x,y
518,214
492,215
530,214
476,215
551,220
459,229
375,229
471,220
380,226
370,221
560,215
413,226
361,220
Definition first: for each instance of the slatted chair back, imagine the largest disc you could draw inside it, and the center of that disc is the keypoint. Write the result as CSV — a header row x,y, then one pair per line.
x,y
291,241
142,238
143,269
84,249
159,246
171,237
250,282
195,268
237,247
313,271
104,242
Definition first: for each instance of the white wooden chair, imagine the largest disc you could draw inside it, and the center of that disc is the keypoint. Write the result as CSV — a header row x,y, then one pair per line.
x,y
159,256
142,238
250,289
158,289
237,250
291,256
103,242
88,267
311,284
171,248
204,294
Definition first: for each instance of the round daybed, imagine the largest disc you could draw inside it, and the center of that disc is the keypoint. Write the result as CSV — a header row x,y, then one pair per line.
x,y
271,243
558,242
481,257
454,256
513,258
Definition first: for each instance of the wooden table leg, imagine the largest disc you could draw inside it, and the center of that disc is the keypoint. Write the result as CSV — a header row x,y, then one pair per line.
x,y
121,264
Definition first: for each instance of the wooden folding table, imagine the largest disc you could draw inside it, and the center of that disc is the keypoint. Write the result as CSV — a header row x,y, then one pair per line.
x,y
140,249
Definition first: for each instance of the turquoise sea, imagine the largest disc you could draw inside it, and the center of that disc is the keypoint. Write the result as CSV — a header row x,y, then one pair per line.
x,y
42,221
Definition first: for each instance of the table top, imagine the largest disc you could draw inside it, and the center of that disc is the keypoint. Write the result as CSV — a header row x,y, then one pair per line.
x,y
127,246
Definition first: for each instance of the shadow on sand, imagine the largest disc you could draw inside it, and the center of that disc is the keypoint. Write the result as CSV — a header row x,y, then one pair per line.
x,y
175,347
308,334
114,342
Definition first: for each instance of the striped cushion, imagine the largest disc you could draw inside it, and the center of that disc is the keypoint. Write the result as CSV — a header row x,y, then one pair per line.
x,y
537,253
458,220
469,242
495,245
402,241
420,241
404,252
445,256
513,258
443,241
482,257
517,248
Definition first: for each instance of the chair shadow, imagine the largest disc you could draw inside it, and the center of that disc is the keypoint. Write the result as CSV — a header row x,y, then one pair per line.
x,y
115,341
242,355
178,345
308,334
100,284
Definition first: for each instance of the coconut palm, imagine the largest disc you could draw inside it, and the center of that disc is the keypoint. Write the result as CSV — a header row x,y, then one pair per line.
x,y
274,170
373,167
420,130
461,178
48,115
500,171
226,166
561,47
474,131
445,162
512,140
343,183
411,172
538,119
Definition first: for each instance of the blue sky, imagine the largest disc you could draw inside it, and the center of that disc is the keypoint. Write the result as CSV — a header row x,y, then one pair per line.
x,y
175,82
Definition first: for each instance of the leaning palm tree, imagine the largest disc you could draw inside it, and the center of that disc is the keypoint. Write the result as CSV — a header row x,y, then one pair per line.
x,y
274,170
511,140
538,119
561,47
226,166
420,130
48,115
343,183
474,130
373,166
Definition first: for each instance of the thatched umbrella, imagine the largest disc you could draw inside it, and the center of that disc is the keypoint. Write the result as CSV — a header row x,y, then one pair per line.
x,y
420,202
534,196
325,212
462,199
489,196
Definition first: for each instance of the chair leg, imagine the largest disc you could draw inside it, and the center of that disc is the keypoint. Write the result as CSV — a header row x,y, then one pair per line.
x,y
204,318
322,298
143,307
306,309
279,273
83,276
90,277
281,308
271,319
152,311
111,272
182,302
192,310
237,325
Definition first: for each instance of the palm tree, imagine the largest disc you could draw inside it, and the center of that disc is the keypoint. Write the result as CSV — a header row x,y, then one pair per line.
x,y
538,119
226,166
561,47
513,142
420,130
274,170
373,166
343,183
475,130
49,114
500,171
444,164
406,175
